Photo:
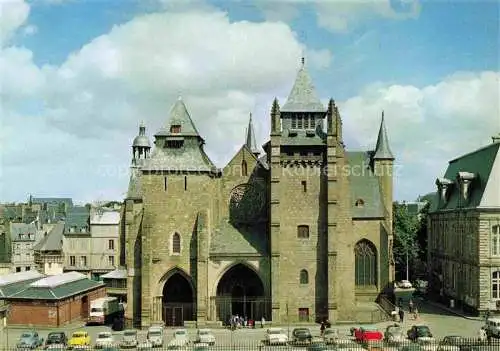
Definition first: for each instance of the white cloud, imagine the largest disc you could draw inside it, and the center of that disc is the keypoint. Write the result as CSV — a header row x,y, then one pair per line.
x,y
13,14
427,126
341,15
73,115
30,30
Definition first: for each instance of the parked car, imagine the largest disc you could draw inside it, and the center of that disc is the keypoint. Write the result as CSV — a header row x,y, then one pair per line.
x,y
56,347
155,336
276,336
419,331
104,339
301,335
317,346
493,327
330,336
347,345
145,345
201,347
29,340
452,343
394,334
427,343
129,338
367,334
56,338
79,338
205,336
180,339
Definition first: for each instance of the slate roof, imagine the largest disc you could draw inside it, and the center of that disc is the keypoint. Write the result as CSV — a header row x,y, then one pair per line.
x,y
479,162
53,241
179,115
18,229
382,150
56,287
303,96
15,282
141,140
79,217
227,239
364,185
12,212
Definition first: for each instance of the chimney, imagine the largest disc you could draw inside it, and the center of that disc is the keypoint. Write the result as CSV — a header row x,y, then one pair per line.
x,y
496,138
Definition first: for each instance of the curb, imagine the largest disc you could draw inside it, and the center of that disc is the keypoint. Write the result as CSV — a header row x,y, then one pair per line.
x,y
444,308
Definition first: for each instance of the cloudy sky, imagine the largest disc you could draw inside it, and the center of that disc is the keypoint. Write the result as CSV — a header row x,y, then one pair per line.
x,y
78,76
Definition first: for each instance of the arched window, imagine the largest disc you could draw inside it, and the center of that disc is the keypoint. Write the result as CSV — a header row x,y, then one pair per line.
x,y
244,168
495,285
176,243
365,263
495,240
304,277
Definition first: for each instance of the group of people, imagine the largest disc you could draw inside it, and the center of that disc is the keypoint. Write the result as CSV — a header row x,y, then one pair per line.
x,y
236,322
399,314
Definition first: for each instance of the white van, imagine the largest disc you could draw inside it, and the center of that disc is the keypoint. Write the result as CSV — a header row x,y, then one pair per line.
x,y
493,327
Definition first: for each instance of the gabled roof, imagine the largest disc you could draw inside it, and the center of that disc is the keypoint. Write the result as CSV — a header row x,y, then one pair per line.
x,y
53,241
79,217
179,115
19,231
57,287
364,186
15,282
303,96
481,163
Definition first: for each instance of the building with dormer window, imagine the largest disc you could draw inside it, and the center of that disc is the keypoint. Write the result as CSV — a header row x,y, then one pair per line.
x,y
464,231
299,232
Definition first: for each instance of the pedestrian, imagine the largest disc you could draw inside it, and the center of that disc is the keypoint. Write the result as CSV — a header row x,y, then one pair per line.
x,y
410,306
482,334
401,315
322,329
415,313
263,322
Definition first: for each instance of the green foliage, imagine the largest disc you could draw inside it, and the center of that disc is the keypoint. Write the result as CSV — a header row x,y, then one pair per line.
x,y
405,229
422,232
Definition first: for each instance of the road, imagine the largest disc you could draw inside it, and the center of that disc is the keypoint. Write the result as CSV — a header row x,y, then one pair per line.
x,y
441,323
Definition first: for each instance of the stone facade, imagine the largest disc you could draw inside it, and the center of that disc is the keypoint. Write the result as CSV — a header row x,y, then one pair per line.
x,y
301,233
464,232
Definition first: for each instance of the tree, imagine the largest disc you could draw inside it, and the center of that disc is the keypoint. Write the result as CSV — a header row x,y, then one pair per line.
x,y
406,247
422,232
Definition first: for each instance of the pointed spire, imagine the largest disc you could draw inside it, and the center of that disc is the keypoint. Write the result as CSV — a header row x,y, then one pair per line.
x,y
303,96
250,141
382,150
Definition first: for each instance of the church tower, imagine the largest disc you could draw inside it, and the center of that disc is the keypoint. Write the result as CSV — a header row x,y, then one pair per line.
x,y
298,198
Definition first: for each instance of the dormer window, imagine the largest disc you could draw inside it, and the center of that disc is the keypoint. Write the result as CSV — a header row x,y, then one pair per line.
x,y
72,229
443,185
175,128
464,180
360,203
175,144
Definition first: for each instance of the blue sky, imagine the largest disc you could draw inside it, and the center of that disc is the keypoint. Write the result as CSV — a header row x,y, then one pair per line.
x,y
432,66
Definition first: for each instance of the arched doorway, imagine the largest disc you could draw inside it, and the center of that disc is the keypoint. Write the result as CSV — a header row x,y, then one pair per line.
x,y
178,300
241,292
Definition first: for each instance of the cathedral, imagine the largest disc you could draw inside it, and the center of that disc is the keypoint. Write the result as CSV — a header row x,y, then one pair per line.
x,y
299,233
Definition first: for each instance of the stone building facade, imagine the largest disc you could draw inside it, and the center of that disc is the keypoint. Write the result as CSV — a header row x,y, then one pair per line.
x,y
464,231
300,233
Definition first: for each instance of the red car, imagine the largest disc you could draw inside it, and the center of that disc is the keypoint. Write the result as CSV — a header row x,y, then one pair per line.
x,y
367,334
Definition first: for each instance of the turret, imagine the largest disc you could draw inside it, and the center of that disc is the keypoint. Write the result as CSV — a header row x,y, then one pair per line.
x,y
140,146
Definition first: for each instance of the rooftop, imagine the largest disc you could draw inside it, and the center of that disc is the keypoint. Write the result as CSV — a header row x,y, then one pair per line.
x,y
19,277
57,280
119,273
105,217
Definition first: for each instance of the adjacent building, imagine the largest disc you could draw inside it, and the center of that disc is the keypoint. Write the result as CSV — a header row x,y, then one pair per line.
x,y
302,232
91,240
464,231
24,237
49,301
48,253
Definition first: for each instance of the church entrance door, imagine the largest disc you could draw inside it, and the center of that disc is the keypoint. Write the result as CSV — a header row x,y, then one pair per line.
x,y
241,292
178,301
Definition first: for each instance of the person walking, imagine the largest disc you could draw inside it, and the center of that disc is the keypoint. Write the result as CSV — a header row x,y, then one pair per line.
x,y
401,315
410,306
415,313
322,329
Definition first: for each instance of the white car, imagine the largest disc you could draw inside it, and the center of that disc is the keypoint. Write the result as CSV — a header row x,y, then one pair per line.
x,y
405,284
330,335
104,339
276,336
180,340
205,336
